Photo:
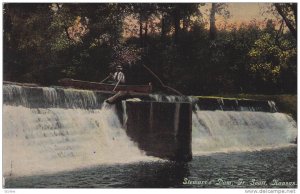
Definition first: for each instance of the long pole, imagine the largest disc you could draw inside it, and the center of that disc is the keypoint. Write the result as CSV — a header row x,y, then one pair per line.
x,y
116,85
161,83
105,79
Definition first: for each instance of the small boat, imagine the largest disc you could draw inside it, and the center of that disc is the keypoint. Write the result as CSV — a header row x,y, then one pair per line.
x,y
103,86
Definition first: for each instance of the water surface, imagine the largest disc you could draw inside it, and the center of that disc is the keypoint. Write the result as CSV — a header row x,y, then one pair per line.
x,y
253,167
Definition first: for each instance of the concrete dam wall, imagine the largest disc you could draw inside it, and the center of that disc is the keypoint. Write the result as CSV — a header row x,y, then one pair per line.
x,y
45,97
162,129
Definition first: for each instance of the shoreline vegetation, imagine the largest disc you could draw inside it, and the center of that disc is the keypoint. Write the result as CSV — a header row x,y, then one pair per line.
x,y
45,42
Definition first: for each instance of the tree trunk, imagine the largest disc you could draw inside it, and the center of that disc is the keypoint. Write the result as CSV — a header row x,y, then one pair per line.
x,y
176,24
294,8
163,28
141,31
186,21
212,27
292,29
146,33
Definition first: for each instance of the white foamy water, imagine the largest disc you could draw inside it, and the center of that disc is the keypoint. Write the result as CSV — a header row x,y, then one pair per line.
x,y
48,140
227,131
49,97
39,141
80,98
230,131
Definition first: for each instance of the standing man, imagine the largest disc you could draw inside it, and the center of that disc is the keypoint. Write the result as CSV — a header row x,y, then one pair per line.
x,y
119,76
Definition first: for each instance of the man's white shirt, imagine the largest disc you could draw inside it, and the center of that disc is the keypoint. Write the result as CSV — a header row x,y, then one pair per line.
x,y
119,76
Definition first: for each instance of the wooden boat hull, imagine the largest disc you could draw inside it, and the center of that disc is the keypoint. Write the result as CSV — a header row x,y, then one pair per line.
x,y
104,87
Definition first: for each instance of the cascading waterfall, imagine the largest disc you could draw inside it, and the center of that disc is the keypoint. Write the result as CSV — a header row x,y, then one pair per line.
x,y
222,131
245,130
125,116
52,139
47,130
40,97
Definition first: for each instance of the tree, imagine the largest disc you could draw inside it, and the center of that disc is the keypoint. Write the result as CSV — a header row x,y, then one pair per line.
x,y
269,62
178,15
220,9
143,12
46,42
288,12
26,43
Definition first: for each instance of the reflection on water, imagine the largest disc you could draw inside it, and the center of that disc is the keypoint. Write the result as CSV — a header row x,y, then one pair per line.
x,y
254,168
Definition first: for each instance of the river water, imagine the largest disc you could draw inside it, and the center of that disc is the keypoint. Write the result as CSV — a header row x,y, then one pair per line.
x,y
276,168
79,146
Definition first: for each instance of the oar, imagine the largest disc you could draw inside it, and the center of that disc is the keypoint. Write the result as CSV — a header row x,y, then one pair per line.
x,y
116,85
105,79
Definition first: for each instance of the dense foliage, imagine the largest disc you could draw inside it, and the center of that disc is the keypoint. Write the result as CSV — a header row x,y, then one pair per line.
x,y
46,42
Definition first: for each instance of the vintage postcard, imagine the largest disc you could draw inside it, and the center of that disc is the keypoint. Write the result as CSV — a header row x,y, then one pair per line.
x,y
150,95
